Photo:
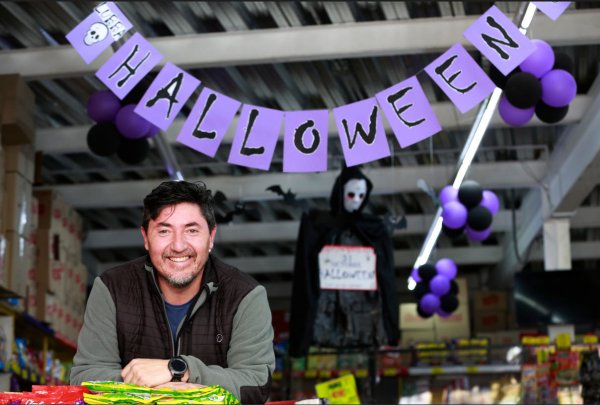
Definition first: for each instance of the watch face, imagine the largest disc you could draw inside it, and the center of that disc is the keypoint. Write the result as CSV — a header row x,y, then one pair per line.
x,y
178,365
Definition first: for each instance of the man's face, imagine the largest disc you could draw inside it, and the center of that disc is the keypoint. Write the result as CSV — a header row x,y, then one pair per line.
x,y
178,242
355,191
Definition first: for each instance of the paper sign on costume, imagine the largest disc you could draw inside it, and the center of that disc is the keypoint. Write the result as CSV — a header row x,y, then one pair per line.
x,y
409,113
207,124
347,268
361,132
166,96
305,141
553,9
460,78
98,31
255,137
128,66
495,36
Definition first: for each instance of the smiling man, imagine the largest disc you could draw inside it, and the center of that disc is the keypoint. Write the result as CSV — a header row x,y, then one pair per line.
x,y
178,317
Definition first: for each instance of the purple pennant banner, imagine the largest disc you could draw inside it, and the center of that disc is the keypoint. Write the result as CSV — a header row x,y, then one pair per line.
x,y
553,9
361,132
409,113
129,65
305,141
460,78
98,31
166,96
495,36
255,137
208,122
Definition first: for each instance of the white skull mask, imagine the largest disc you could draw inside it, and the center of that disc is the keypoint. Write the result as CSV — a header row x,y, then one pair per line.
x,y
96,33
355,191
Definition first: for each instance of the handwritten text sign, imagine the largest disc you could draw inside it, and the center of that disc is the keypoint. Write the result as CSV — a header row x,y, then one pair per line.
x,y
347,268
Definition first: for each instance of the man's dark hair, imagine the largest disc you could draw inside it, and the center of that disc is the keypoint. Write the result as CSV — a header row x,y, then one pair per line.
x,y
175,192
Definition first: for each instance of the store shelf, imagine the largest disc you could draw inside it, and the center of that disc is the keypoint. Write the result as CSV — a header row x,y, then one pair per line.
x,y
475,369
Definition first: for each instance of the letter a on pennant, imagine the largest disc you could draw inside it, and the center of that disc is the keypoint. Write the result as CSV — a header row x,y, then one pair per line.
x,y
305,141
460,78
166,96
495,36
361,132
128,66
255,137
207,124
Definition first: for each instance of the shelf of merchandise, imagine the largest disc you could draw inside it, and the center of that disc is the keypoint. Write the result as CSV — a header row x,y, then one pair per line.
x,y
473,369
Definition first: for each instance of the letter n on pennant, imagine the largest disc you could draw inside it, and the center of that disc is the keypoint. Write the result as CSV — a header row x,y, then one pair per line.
x,y
495,36
255,137
460,78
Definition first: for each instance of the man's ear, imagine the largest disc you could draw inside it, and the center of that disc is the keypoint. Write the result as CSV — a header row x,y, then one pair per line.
x,y
213,233
145,236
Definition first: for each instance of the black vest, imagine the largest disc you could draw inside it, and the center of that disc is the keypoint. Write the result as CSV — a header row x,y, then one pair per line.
x,y
142,325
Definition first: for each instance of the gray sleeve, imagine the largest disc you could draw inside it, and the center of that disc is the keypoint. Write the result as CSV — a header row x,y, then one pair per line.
x,y
97,357
250,357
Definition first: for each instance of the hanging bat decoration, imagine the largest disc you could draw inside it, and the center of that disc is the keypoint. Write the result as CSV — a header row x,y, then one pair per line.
x,y
288,196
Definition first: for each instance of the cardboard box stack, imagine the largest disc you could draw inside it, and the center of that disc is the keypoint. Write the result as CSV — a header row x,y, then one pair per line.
x,y
413,328
62,278
490,311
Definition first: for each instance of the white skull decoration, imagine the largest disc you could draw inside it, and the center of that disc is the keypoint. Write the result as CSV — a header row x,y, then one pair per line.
x,y
96,33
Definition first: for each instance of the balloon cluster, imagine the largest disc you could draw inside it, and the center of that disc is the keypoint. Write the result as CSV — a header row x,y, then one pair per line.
x,y
470,209
436,290
543,85
118,129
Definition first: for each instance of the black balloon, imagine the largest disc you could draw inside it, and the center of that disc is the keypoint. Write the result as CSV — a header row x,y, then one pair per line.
x,y
104,139
453,233
549,114
479,218
427,271
136,94
470,193
498,77
448,303
133,151
421,313
523,90
453,288
563,61
421,289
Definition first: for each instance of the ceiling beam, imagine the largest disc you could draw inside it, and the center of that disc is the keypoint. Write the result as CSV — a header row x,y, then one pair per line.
x,y
496,175
73,139
317,42
573,167
287,231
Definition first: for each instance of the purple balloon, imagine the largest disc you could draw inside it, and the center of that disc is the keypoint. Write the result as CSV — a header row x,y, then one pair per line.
x,y
430,303
448,194
447,268
103,106
454,215
478,235
559,88
415,275
439,285
130,124
540,61
490,201
513,116
153,131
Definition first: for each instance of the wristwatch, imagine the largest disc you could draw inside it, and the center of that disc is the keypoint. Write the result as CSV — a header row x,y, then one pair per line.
x,y
177,367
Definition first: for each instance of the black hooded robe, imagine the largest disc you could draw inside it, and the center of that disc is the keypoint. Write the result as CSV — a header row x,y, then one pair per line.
x,y
320,228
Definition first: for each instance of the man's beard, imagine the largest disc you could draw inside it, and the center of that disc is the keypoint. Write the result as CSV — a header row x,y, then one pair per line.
x,y
180,282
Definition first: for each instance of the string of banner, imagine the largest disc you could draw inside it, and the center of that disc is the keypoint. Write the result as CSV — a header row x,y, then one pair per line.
x,y
360,128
